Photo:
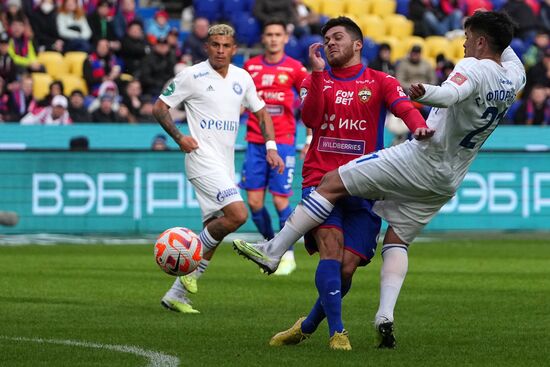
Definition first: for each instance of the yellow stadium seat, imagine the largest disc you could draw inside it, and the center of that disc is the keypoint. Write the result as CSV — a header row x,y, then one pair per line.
x,y
358,8
436,45
457,45
314,5
54,63
383,8
41,85
397,51
72,82
373,27
398,25
75,61
332,8
408,42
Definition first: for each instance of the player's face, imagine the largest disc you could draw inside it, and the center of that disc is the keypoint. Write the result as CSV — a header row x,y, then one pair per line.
x,y
339,47
220,49
470,44
274,38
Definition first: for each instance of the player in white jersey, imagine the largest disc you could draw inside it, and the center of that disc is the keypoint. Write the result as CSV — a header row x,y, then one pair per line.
x,y
212,92
413,180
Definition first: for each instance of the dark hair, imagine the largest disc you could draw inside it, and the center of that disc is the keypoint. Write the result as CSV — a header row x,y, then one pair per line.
x,y
351,27
498,27
274,21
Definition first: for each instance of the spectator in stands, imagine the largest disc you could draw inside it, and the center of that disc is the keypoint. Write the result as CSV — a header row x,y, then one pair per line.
x,y
159,143
443,69
12,9
22,100
535,110
105,112
125,15
21,49
101,65
101,23
123,113
146,111
435,17
538,74
194,44
158,28
173,42
535,52
56,114
157,68
107,88
265,10
73,27
79,144
131,98
307,20
523,15
77,110
43,22
382,61
56,88
4,99
134,48
544,15
8,69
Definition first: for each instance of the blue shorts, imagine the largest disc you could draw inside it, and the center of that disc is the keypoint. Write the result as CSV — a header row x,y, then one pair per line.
x,y
354,217
258,175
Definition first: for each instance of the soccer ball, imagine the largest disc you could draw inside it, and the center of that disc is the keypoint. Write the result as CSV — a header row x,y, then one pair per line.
x,y
178,251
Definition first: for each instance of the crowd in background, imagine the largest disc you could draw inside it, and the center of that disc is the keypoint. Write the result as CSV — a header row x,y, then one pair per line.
x,y
130,59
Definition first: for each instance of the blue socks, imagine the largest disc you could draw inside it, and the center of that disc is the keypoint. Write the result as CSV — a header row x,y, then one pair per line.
x,y
283,216
262,220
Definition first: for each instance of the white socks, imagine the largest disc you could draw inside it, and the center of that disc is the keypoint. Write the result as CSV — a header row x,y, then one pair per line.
x,y
208,242
312,211
203,264
392,275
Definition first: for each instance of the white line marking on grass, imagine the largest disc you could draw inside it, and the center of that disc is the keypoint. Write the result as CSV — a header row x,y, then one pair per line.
x,y
156,359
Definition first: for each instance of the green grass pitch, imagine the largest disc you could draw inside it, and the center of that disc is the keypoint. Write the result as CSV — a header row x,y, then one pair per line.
x,y
482,302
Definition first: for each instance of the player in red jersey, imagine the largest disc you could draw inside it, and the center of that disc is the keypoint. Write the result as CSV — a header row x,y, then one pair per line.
x,y
277,78
346,108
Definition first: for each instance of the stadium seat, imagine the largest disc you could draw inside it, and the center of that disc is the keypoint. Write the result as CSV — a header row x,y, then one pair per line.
x,y
358,8
147,13
232,6
518,46
75,61
383,7
332,8
457,45
54,63
305,42
398,25
373,27
247,30
408,42
294,49
397,50
72,82
41,85
210,9
402,7
370,49
436,45
314,5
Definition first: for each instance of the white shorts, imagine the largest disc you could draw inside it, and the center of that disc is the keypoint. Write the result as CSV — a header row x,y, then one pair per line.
x,y
214,192
406,203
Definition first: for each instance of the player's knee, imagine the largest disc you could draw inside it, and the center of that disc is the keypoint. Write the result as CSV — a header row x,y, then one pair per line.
x,y
237,219
347,271
331,185
255,204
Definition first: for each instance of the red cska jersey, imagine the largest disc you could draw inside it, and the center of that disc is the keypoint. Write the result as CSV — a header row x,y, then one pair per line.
x,y
275,83
346,108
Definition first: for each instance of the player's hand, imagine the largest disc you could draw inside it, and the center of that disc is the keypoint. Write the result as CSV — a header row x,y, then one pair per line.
x,y
416,91
315,59
423,133
274,160
304,151
187,144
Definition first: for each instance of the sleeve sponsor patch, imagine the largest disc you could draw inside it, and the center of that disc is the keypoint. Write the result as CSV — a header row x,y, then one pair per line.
x,y
458,79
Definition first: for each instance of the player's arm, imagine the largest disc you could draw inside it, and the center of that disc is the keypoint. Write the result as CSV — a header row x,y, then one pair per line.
x,y
162,115
268,132
307,143
312,89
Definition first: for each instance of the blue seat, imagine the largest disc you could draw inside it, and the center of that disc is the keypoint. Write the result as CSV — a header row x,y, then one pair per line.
x,y
175,23
231,7
518,46
247,30
403,7
209,9
370,49
294,49
146,13
498,4
306,41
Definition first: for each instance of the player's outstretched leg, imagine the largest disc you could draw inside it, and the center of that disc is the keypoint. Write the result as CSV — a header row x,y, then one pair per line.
x,y
258,253
288,262
291,336
176,299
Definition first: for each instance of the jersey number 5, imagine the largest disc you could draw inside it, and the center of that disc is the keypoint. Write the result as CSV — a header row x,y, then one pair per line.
x,y
492,115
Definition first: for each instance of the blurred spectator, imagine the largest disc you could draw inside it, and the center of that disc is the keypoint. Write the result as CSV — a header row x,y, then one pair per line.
x,y
131,98
265,10
307,20
173,42
382,61
13,10
125,15
123,113
73,27
22,100
158,28
101,23
159,143
535,110
435,17
21,49
79,144
77,110
134,48
538,74
43,22
56,88
56,114
414,69
146,111
443,69
4,99
194,44
524,17
544,15
469,7
101,65
157,68
107,88
105,112
8,69
535,52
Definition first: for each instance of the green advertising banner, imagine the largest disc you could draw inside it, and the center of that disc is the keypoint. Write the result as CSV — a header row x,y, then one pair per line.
x,y
132,192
